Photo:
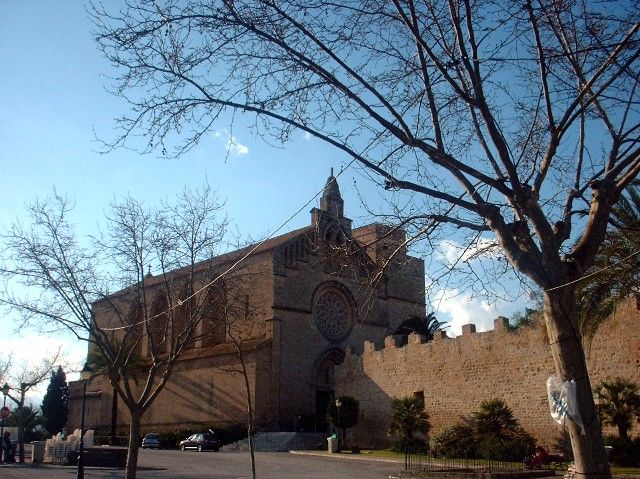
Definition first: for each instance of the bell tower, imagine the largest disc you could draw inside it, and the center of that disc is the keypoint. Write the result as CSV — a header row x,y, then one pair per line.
x,y
331,209
331,200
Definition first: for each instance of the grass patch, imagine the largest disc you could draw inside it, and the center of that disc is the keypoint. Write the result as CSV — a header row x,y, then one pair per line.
x,y
623,471
389,454
382,453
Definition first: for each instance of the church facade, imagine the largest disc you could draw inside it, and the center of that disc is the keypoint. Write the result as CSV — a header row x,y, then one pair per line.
x,y
315,293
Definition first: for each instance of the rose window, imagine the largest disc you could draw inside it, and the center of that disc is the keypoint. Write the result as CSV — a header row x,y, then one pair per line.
x,y
333,315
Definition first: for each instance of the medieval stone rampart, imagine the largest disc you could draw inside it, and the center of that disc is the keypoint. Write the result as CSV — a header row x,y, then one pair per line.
x,y
456,374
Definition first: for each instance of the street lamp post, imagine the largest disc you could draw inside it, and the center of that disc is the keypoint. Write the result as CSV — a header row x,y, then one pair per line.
x,y
597,402
5,391
338,406
85,375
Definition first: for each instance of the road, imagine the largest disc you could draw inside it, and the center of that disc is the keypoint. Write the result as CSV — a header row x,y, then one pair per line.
x,y
216,465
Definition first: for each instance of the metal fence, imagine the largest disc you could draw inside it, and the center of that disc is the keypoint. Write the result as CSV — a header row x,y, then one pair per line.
x,y
417,459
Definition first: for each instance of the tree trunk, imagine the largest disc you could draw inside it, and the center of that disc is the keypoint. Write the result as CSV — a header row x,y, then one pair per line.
x,y
624,435
21,426
249,418
247,388
134,445
114,416
251,450
568,355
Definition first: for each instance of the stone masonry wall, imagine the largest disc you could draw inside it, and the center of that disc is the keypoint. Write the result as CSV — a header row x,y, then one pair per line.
x,y
456,374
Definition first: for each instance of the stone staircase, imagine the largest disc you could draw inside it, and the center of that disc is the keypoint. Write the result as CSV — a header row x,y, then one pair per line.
x,y
280,442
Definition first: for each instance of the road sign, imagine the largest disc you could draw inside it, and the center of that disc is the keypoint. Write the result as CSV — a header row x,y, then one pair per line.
x,y
4,412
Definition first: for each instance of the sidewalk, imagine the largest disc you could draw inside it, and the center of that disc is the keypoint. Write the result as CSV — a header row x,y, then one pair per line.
x,y
366,457
348,456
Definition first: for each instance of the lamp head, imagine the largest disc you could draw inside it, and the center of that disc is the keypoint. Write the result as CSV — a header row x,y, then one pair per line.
x,y
86,372
338,402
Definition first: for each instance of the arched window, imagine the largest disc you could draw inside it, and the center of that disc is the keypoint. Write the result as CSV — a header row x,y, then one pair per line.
x,y
182,317
133,333
158,324
214,321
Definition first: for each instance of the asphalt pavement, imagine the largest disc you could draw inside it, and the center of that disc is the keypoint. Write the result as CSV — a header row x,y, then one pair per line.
x,y
169,464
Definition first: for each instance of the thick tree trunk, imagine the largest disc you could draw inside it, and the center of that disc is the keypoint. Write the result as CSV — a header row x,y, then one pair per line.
x,y
114,416
134,445
568,355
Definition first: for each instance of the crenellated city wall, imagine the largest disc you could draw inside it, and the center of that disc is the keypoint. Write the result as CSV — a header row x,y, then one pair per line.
x,y
456,374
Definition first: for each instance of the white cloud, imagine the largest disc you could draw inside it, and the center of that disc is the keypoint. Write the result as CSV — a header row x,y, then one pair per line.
x,y
308,136
235,147
29,351
454,253
232,145
460,308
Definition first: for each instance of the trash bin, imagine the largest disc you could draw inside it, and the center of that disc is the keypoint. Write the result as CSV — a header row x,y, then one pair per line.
x,y
332,443
37,451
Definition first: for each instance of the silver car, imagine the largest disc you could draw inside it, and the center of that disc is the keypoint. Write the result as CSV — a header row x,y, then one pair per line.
x,y
151,441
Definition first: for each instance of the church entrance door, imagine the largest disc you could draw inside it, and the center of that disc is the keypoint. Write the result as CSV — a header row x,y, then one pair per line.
x,y
325,385
323,398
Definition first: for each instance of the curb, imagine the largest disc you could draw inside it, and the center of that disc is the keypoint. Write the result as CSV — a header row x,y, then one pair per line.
x,y
363,457
348,457
47,465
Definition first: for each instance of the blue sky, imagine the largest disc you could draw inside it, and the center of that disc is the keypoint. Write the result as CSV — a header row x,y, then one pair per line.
x,y
53,104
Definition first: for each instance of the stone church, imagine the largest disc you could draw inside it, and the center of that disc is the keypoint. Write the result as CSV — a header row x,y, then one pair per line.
x,y
317,292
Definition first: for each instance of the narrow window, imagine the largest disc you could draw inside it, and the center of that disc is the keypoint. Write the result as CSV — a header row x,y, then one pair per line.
x,y
420,396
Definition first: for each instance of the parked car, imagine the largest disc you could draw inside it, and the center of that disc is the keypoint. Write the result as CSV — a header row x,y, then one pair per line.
x,y
151,441
201,442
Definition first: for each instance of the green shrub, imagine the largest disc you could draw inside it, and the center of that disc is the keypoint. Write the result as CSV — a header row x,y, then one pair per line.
x,y
456,441
415,445
511,445
491,433
625,453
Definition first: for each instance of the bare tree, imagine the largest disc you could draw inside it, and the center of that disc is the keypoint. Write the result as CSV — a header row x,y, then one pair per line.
x,y
241,353
21,378
139,332
243,326
492,117
5,365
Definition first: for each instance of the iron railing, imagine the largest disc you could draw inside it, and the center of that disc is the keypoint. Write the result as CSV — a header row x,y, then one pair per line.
x,y
419,459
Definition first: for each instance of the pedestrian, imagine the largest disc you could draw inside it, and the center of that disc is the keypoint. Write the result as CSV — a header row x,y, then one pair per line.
x,y
7,449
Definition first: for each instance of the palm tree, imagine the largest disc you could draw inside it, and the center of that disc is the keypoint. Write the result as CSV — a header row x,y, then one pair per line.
x,y
522,319
30,419
616,271
497,433
426,326
494,417
408,418
621,404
